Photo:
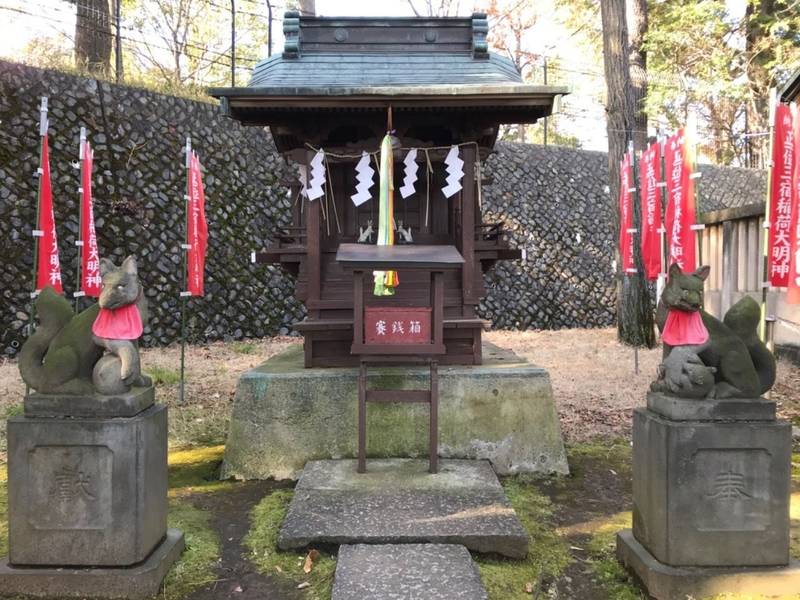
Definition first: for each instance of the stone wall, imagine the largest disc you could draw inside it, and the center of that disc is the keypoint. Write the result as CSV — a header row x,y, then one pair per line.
x,y
139,185
553,201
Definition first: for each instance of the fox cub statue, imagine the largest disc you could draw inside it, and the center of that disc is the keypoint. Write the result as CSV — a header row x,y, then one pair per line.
x,y
94,351
717,359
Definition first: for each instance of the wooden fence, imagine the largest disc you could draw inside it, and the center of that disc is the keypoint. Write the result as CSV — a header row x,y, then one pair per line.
x,y
732,246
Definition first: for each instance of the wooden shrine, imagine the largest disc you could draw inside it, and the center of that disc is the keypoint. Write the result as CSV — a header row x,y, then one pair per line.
x,y
331,89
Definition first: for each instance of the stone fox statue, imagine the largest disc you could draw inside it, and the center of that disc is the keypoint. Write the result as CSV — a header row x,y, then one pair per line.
x,y
64,356
730,350
119,324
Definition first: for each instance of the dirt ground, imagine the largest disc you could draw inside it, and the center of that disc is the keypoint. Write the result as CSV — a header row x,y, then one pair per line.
x,y
594,381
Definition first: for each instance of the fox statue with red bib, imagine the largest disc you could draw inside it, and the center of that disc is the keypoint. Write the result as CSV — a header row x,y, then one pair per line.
x,y
703,356
94,351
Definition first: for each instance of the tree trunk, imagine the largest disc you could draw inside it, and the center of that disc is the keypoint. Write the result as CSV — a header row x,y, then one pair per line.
x,y
93,39
758,14
634,307
636,13
308,8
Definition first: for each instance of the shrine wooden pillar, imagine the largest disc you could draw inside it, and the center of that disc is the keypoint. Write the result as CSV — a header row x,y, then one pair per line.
x,y
467,241
313,250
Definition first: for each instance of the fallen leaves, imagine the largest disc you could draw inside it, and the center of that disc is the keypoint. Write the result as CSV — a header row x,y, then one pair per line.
x,y
309,562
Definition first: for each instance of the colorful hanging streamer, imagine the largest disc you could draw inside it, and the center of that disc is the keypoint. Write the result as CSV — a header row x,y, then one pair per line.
x,y
386,281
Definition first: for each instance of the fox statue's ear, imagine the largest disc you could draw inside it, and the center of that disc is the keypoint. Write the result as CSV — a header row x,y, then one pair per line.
x,y
703,272
675,270
129,266
106,266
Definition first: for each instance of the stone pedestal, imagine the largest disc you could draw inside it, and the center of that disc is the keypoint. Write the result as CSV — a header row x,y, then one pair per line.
x,y
88,492
285,415
711,494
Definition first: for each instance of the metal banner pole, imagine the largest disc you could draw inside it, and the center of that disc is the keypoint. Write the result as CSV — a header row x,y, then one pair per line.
x,y
762,326
36,232
185,249
80,241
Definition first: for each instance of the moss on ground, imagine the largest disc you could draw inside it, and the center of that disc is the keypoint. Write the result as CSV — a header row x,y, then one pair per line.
x,y
3,512
609,572
548,555
244,348
163,375
195,567
193,468
262,541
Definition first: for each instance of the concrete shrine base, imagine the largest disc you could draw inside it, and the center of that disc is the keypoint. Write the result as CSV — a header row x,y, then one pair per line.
x,y
285,415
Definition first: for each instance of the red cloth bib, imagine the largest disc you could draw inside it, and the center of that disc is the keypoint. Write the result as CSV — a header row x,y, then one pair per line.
x,y
124,323
684,329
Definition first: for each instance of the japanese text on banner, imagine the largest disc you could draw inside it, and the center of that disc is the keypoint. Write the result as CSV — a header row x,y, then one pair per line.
x,y
793,295
680,210
650,197
780,209
90,257
197,230
48,271
626,215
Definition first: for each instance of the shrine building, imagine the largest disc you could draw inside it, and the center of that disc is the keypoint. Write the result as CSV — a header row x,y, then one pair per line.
x,y
332,89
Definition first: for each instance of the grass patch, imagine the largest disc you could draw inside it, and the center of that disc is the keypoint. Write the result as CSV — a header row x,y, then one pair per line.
x,y
3,512
266,518
195,568
163,375
194,425
548,556
195,470
609,571
244,348
614,454
14,410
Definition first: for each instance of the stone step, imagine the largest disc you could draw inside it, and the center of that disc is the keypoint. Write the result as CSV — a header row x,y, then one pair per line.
x,y
406,572
398,502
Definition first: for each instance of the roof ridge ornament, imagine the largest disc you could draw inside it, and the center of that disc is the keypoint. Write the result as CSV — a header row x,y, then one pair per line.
x,y
291,34
480,28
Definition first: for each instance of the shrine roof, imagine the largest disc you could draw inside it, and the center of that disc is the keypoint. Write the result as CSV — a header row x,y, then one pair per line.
x,y
369,63
791,91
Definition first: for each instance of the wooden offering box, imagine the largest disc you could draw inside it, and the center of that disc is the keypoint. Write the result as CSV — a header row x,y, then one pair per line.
x,y
380,325
384,333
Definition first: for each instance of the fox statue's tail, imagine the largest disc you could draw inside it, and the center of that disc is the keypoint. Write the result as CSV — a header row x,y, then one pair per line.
x,y
743,318
54,312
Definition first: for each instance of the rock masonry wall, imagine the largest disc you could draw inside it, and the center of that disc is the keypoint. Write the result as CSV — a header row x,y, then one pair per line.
x,y
552,200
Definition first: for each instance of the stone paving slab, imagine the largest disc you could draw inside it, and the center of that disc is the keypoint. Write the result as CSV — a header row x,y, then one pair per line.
x,y
398,502
406,572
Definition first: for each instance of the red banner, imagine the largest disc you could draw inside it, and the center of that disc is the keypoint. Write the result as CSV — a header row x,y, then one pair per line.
x,y
197,230
680,210
650,197
48,269
90,257
626,215
780,202
793,295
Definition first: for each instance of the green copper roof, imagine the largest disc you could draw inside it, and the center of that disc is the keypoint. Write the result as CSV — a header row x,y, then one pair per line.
x,y
381,70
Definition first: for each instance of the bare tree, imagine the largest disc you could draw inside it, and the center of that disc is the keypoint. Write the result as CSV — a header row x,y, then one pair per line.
x,y
92,35
435,8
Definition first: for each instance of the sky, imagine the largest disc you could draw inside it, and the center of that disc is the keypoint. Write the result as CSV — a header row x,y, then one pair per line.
x,y
582,111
